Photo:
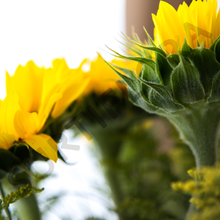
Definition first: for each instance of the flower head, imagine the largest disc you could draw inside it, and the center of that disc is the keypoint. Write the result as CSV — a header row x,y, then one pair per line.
x,y
33,94
197,24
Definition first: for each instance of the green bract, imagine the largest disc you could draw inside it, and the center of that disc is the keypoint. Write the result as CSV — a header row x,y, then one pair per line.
x,y
184,87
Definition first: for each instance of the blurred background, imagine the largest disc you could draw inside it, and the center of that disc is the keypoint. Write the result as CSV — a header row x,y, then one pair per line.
x,y
72,29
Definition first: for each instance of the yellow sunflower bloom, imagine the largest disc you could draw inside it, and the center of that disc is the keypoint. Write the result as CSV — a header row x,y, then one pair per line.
x,y
102,76
197,24
32,94
71,84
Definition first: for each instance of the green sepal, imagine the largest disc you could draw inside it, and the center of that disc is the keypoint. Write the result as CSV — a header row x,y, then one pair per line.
x,y
133,84
140,100
137,42
149,37
204,60
186,84
163,69
161,97
142,60
134,91
186,50
128,72
215,93
217,50
132,48
173,60
212,48
8,160
149,74
157,50
152,48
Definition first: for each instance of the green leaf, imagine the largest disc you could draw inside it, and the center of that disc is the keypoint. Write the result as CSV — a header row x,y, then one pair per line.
x,y
163,69
161,96
215,93
186,84
173,60
204,61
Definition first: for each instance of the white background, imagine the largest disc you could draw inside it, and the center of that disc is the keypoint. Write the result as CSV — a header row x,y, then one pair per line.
x,y
44,30
76,29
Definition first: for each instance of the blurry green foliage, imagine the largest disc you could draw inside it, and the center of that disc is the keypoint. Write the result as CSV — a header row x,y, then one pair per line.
x,y
139,171
137,167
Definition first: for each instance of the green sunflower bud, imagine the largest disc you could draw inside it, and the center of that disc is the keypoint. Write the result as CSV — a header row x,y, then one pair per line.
x,y
185,88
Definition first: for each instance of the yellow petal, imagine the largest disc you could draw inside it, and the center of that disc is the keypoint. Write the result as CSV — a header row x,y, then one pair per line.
x,y
6,140
8,109
195,23
46,108
27,82
69,82
102,76
26,123
44,145
60,68
71,92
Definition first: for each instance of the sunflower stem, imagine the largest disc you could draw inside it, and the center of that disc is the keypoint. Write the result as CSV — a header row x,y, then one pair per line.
x,y
198,127
109,150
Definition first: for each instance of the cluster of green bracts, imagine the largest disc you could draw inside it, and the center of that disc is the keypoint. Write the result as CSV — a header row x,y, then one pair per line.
x,y
184,88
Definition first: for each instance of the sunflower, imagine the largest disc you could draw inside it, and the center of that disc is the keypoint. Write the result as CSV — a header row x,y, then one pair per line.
x,y
181,82
197,24
33,94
